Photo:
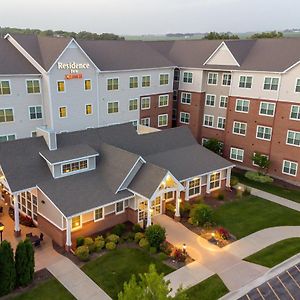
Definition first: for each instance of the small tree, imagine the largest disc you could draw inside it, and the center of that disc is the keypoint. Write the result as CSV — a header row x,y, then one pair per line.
x,y
262,161
155,235
214,145
23,271
201,214
7,269
30,258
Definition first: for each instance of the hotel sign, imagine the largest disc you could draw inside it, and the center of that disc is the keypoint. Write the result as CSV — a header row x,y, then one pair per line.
x,y
73,67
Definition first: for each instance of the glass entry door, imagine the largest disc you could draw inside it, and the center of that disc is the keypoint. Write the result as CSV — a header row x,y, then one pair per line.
x,y
156,207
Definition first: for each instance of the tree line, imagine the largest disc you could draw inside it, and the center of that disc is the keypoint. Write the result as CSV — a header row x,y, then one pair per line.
x,y
229,36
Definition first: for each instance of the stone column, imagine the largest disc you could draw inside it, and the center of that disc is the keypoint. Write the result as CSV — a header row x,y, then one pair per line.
x,y
17,216
228,176
68,234
208,184
149,211
177,210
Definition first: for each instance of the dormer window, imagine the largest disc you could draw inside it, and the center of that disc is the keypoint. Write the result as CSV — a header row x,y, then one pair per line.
x,y
74,166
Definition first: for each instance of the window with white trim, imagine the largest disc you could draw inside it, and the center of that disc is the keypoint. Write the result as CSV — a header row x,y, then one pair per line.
x,y
163,100
194,187
223,102
33,86
164,79
297,88
133,82
210,100
162,120
239,128
295,112
263,132
62,111
112,107
289,168
4,87
146,81
99,214
221,123
271,83
35,112
145,103
293,138
186,98
112,84
245,82
33,134
237,154
87,84
242,105
145,122
267,109
76,222
226,81
133,104
88,109
74,166
169,195
184,117
6,115
215,181
187,77
61,86
8,137
212,78
120,207
208,121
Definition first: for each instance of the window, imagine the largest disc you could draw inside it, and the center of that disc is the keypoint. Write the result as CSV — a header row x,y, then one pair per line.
x,y
210,100
4,87
212,78
6,138
163,100
263,155
98,214
146,81
174,114
169,196
87,84
35,112
263,133
134,123
187,77
33,134
175,95
112,84
239,128
186,98
184,118
214,182
245,82
271,83
295,112
237,154
63,112
297,89
221,123
242,105
61,86
112,107
293,138
176,75
76,222
145,122
162,120
267,109
133,104
6,115
74,166
208,121
33,86
88,109
163,79
289,168
133,82
226,79
223,101
120,207
194,187
145,103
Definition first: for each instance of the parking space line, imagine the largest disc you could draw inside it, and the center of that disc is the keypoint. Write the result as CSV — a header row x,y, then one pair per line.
x,y
285,288
293,279
273,290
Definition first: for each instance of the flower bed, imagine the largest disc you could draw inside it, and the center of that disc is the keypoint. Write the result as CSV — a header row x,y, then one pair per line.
x,y
24,220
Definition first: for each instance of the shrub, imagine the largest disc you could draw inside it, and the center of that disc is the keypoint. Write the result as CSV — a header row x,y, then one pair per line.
x,y
155,234
99,245
30,258
88,241
162,256
128,236
179,255
138,236
82,253
79,241
221,197
200,214
165,248
222,233
113,238
170,208
119,229
255,176
247,192
110,246
137,228
152,250
143,243
234,181
185,208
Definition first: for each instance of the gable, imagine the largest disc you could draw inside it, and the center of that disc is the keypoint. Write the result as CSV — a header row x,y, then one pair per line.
x,y
222,56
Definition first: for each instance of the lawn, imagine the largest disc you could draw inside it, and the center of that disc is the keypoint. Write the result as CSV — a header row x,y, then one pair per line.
x,y
111,270
250,214
276,253
49,290
212,288
291,194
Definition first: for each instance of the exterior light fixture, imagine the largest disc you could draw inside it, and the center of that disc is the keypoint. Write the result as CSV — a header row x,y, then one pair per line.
x,y
213,235
184,248
1,231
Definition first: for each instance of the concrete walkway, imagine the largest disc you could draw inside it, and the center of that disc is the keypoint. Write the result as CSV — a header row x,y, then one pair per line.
x,y
76,281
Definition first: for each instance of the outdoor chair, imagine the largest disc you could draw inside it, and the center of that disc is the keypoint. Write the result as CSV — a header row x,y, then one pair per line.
x,y
41,236
37,243
29,235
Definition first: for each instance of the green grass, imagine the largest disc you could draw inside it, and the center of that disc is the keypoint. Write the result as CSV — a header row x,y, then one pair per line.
x,y
276,253
250,214
291,194
49,290
111,270
212,288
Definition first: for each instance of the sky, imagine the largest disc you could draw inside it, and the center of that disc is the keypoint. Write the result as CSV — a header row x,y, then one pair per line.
x,y
136,17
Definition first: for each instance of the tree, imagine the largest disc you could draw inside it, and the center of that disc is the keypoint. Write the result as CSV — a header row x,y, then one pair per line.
x,y
262,161
30,258
7,269
150,286
220,36
267,35
214,145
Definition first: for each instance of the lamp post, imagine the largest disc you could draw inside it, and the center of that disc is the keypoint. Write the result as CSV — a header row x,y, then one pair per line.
x,y
1,230
184,248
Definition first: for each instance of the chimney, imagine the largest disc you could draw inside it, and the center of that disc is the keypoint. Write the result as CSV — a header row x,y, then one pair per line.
x,y
49,136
